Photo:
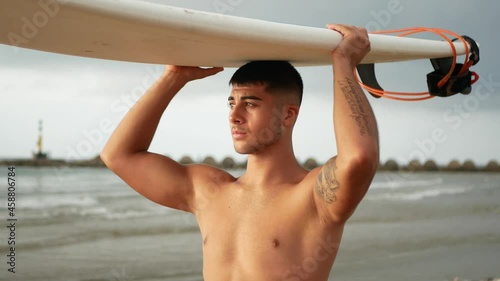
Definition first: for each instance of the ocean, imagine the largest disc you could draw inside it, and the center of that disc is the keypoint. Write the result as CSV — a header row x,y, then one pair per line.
x,y
85,224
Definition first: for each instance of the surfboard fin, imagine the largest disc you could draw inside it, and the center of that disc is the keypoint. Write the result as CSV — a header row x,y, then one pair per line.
x,y
367,76
459,82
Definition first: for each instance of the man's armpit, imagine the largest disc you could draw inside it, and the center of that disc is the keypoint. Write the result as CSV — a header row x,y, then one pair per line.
x,y
326,183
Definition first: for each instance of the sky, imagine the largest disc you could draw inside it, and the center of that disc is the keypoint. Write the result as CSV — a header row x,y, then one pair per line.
x,y
81,100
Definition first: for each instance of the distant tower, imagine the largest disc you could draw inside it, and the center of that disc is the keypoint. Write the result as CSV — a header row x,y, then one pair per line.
x,y
39,155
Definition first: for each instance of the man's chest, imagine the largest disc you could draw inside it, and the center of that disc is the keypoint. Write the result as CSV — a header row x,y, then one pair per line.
x,y
255,222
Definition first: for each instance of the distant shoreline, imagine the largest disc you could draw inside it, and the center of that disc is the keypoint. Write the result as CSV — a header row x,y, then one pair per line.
x,y
229,163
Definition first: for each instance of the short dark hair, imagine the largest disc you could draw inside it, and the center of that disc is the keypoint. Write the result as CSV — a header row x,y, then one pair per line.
x,y
276,75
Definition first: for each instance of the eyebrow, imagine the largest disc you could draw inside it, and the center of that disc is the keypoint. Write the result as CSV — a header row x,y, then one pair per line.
x,y
231,98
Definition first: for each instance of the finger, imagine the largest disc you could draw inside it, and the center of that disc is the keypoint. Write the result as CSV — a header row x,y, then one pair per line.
x,y
341,28
215,70
363,31
336,26
211,71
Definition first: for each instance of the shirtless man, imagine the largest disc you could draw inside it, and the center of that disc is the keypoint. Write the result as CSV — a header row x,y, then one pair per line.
x,y
277,221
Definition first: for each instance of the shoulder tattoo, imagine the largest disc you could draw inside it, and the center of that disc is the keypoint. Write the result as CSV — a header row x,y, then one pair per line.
x,y
326,183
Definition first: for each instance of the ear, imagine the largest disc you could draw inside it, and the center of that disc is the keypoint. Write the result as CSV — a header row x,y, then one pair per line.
x,y
291,112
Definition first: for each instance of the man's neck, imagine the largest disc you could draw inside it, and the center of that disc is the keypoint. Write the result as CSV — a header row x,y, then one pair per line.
x,y
274,166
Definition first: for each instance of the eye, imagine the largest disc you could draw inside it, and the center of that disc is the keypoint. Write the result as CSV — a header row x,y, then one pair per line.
x,y
230,104
249,104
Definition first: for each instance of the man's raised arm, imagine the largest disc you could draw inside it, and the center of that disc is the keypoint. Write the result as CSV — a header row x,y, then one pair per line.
x,y
156,177
344,179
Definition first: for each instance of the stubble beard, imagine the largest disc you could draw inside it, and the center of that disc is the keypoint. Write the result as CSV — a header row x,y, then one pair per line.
x,y
265,138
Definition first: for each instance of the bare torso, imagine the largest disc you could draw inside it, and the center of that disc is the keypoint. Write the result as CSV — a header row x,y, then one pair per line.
x,y
289,230
264,233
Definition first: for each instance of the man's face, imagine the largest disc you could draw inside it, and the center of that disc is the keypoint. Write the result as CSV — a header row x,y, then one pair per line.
x,y
255,119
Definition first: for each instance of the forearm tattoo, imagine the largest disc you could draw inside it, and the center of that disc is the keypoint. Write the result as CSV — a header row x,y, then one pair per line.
x,y
357,106
327,184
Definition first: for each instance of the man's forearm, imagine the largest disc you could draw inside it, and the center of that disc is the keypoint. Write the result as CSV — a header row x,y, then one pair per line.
x,y
136,130
355,125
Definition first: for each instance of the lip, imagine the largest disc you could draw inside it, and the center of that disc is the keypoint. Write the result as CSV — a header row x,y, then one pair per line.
x,y
237,134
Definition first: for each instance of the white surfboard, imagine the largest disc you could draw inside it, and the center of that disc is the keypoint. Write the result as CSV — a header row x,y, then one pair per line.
x,y
144,32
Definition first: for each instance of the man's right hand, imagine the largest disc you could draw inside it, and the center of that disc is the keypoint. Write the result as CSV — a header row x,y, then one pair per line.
x,y
189,73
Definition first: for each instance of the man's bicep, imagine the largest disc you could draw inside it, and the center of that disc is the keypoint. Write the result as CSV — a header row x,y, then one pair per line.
x,y
158,178
338,189
327,185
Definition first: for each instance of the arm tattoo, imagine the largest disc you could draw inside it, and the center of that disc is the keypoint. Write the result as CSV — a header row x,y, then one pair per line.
x,y
327,184
356,104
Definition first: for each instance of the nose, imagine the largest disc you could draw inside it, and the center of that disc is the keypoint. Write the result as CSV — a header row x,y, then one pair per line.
x,y
235,115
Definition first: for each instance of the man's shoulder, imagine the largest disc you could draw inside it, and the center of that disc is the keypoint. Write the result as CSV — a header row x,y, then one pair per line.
x,y
203,174
311,176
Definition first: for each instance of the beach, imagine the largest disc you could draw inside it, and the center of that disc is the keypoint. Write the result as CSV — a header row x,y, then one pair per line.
x,y
85,224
